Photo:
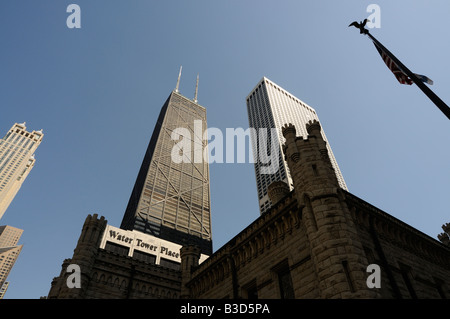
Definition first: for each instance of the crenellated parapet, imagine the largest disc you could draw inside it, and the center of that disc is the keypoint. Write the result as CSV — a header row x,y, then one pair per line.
x,y
445,236
290,147
308,160
277,190
313,128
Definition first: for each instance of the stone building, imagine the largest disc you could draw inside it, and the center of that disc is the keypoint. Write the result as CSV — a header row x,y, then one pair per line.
x,y
109,273
317,241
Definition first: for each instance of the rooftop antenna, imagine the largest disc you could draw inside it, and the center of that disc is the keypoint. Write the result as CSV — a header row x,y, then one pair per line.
x,y
178,82
196,91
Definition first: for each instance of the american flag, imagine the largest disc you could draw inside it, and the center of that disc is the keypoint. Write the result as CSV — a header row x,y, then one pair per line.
x,y
399,74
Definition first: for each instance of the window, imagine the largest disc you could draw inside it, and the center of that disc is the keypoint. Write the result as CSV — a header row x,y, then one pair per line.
x,y
117,249
440,287
347,275
286,286
314,167
250,291
169,264
147,258
283,274
406,274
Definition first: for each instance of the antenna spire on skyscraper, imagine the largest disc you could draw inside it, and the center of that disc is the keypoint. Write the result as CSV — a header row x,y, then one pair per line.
x,y
196,91
178,81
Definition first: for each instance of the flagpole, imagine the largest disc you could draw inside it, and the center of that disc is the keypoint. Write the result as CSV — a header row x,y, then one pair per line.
x,y
425,89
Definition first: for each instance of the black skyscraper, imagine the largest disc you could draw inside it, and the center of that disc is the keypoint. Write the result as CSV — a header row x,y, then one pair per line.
x,y
171,198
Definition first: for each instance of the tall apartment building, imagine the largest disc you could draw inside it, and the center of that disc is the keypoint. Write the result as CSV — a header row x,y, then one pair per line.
x,y
270,106
171,198
16,161
9,251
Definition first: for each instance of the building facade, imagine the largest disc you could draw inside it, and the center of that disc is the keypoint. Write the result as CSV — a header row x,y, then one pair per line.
x,y
270,106
320,241
16,161
9,252
171,197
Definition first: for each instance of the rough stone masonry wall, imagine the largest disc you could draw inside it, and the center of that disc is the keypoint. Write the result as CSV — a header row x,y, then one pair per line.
x,y
418,265
412,264
121,277
274,242
107,275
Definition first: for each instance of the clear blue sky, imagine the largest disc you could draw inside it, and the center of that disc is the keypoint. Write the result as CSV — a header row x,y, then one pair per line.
x,y
96,92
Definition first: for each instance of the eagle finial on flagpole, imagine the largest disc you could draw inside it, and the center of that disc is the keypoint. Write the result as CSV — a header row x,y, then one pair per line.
x,y
360,26
401,72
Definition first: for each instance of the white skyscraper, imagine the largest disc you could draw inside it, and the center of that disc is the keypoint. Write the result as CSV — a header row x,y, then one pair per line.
x,y
9,252
270,106
16,161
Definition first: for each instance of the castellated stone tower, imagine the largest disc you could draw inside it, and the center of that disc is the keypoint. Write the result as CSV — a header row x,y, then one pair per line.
x,y
337,253
190,256
84,256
